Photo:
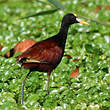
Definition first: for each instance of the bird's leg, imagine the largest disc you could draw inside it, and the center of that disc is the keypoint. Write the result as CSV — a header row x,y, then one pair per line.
x,y
48,83
23,83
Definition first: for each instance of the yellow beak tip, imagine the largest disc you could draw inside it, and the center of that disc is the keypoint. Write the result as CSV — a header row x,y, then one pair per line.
x,y
83,22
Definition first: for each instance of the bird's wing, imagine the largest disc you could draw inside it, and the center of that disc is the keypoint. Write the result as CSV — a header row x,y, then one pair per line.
x,y
32,60
46,52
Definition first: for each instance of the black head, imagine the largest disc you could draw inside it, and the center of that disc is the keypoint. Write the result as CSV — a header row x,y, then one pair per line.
x,y
69,19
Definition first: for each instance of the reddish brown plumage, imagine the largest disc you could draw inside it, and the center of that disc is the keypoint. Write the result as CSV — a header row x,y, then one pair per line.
x,y
21,46
24,45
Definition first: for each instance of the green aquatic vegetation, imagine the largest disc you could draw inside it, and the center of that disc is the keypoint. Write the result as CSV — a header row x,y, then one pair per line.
x,y
91,44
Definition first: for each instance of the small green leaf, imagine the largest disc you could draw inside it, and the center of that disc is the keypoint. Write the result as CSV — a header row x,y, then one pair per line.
x,y
41,13
57,4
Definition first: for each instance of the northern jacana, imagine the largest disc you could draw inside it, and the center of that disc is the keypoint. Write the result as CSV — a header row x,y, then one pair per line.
x,y
44,56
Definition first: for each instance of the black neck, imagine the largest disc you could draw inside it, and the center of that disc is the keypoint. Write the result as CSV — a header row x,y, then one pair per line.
x,y
62,35
64,30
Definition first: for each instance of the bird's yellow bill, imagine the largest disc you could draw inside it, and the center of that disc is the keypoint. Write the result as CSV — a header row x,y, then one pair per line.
x,y
83,22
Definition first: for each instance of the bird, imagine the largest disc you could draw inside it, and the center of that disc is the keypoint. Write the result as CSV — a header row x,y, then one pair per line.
x,y
45,55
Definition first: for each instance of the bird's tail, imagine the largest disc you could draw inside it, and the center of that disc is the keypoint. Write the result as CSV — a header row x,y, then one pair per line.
x,y
9,54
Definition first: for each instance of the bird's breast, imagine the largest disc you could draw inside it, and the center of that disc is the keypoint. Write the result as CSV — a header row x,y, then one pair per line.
x,y
54,55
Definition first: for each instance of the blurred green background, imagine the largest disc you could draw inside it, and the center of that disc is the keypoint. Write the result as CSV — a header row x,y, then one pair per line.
x,y
91,44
